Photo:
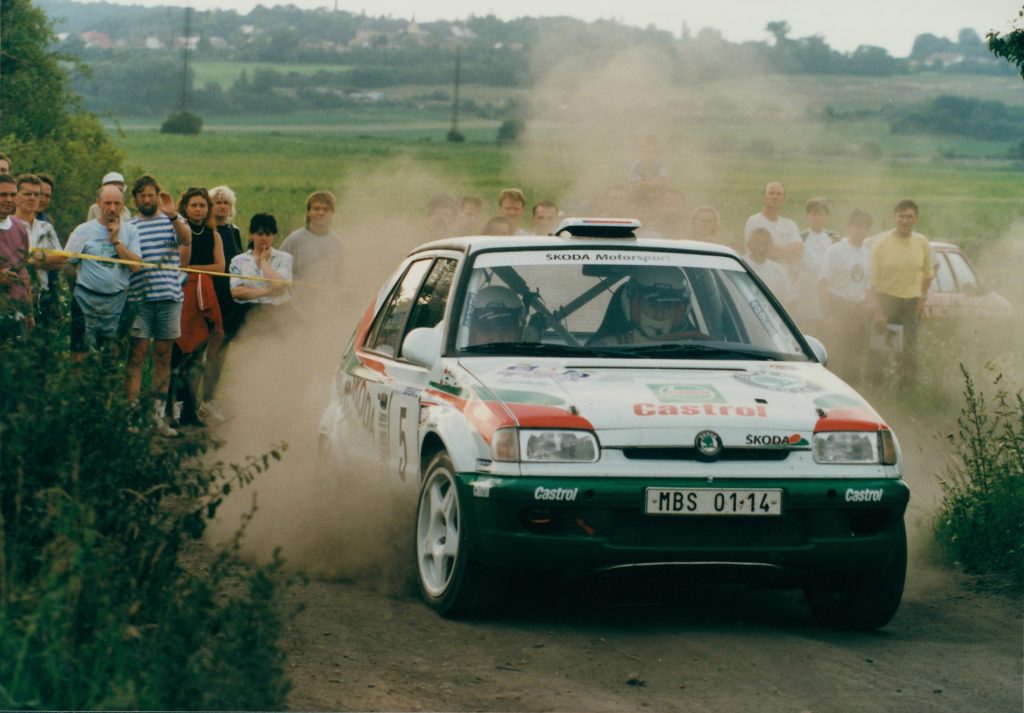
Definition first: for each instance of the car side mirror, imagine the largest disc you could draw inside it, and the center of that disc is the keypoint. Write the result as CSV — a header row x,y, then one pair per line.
x,y
422,346
818,348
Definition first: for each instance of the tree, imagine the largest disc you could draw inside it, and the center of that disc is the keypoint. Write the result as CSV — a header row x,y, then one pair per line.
x,y
44,127
778,29
32,83
1009,46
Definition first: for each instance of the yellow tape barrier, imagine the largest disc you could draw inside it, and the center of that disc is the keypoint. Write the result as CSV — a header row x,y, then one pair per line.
x,y
159,266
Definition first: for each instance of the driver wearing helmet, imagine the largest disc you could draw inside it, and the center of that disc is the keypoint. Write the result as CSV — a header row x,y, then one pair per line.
x,y
656,306
497,316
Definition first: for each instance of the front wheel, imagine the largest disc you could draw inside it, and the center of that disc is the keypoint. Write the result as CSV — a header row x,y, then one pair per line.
x,y
862,600
448,577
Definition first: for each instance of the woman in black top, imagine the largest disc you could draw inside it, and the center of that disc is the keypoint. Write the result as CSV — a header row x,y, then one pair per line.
x,y
201,323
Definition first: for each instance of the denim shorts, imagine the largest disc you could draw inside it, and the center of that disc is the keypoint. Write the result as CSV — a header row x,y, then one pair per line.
x,y
95,316
156,319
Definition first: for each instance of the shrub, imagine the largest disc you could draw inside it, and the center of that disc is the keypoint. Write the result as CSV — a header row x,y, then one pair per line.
x,y
981,523
510,131
182,122
96,607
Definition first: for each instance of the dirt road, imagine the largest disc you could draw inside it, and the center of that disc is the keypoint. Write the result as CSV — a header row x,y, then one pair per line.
x,y
656,644
364,642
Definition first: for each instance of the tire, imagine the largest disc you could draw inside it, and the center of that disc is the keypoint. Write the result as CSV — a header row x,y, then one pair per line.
x,y
449,580
861,600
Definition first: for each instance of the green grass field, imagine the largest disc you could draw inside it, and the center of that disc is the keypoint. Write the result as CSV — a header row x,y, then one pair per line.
x,y
965,201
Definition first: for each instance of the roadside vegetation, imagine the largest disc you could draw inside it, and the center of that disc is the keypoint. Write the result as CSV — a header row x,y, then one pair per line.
x,y
981,524
106,598
97,606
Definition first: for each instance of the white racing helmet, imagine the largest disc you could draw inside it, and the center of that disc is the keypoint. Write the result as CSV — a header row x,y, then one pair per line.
x,y
659,298
497,315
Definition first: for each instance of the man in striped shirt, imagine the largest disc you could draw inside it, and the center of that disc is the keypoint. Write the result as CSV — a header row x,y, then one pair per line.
x,y
165,240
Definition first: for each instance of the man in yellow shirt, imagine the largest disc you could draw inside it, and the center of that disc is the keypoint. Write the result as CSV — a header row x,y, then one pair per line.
x,y
901,271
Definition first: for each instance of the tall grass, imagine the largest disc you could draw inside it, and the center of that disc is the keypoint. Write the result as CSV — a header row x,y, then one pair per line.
x,y
981,524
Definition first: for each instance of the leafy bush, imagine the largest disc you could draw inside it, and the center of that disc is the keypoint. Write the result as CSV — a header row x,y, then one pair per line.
x,y
182,122
96,607
510,131
981,524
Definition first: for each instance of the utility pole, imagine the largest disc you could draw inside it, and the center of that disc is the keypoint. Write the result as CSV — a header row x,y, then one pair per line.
x,y
184,57
454,134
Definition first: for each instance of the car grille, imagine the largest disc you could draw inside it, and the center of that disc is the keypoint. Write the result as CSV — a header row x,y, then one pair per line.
x,y
637,530
689,453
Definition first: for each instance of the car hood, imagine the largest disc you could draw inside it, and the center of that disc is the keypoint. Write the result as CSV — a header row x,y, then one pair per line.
x,y
667,403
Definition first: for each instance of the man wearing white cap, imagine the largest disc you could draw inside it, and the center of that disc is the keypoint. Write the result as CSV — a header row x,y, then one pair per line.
x,y
115,179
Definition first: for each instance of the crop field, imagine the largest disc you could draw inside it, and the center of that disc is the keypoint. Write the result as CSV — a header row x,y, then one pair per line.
x,y
967,201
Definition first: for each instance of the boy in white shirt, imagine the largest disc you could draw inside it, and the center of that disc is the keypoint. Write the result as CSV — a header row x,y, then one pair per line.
x,y
774,275
842,287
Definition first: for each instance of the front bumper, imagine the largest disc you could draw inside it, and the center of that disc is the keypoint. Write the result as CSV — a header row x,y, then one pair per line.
x,y
588,524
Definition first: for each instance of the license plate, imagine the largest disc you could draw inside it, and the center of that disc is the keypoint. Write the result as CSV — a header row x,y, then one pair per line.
x,y
712,501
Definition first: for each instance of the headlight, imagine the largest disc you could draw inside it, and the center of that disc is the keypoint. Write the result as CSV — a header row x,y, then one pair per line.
x,y
531,445
846,447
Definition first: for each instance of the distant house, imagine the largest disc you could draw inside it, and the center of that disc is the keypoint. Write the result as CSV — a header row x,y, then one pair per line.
x,y
462,33
154,43
100,40
192,42
218,43
943,59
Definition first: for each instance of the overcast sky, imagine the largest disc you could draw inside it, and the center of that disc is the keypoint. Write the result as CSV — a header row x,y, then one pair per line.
x,y
892,24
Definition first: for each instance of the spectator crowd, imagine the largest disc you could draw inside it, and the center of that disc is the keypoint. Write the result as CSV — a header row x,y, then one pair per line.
x,y
173,281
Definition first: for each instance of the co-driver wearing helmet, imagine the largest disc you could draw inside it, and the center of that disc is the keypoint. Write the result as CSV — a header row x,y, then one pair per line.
x,y
496,317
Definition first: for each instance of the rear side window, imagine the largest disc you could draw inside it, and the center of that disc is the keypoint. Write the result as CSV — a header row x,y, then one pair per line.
x,y
387,330
943,277
429,307
965,276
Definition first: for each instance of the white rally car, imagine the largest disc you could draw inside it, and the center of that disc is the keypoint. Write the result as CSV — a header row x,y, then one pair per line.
x,y
592,400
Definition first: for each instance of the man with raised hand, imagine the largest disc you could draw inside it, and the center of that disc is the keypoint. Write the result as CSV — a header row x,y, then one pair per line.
x,y
101,288
41,238
787,247
15,287
155,292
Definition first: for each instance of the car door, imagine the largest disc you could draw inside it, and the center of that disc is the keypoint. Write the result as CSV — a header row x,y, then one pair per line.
x,y
379,379
428,310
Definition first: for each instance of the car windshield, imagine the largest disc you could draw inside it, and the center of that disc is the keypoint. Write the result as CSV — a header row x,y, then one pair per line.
x,y
643,304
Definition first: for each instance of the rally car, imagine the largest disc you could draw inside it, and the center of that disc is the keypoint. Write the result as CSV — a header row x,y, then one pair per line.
x,y
593,400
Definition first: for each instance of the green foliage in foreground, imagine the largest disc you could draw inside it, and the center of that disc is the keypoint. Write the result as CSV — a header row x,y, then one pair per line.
x,y
96,609
981,525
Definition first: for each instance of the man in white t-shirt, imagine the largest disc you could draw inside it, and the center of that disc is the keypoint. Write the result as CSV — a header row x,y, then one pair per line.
x,y
787,247
774,275
843,288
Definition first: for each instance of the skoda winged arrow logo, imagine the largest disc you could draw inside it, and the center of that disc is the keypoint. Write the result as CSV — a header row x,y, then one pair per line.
x,y
708,444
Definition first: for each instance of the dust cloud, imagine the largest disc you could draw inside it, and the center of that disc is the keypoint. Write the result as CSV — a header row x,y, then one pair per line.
x,y
588,123
278,379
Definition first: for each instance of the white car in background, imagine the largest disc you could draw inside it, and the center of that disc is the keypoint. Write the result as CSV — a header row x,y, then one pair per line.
x,y
957,292
592,401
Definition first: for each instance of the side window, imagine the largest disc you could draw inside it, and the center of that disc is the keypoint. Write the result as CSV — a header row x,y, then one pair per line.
x,y
387,331
965,276
943,281
428,309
